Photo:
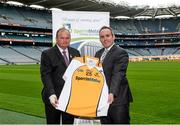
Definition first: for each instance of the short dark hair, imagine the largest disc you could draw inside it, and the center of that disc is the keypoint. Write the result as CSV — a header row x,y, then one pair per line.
x,y
106,27
60,30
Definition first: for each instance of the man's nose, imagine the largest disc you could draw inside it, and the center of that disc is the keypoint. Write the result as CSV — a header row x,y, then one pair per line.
x,y
105,38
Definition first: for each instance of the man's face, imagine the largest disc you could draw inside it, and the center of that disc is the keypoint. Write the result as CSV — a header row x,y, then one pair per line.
x,y
63,39
106,38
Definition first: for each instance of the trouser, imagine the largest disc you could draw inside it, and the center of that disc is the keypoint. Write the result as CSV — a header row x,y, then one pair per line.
x,y
54,116
117,114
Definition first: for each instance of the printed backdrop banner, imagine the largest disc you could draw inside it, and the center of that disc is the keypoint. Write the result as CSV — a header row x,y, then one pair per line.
x,y
84,26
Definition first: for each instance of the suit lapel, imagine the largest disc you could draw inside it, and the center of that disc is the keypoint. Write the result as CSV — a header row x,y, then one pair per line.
x,y
61,58
109,54
70,54
101,52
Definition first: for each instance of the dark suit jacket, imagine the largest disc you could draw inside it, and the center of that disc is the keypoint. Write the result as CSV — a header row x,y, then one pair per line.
x,y
115,66
52,69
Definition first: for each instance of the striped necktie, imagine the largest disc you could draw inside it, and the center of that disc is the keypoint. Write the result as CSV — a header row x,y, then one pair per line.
x,y
65,58
103,55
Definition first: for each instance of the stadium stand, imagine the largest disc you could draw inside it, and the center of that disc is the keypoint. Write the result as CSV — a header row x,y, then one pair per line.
x,y
27,32
131,26
24,16
14,57
28,52
177,51
124,26
2,61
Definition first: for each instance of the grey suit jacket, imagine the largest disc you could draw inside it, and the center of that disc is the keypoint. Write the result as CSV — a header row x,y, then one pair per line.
x,y
52,69
115,67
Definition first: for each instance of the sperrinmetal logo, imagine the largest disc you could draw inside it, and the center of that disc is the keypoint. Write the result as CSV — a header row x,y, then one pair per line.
x,y
87,79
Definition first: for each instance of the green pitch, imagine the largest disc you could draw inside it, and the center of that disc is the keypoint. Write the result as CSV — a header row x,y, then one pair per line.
x,y
155,87
156,91
20,89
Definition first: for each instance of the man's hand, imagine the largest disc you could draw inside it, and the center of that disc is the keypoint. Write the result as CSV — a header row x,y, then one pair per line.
x,y
53,100
110,98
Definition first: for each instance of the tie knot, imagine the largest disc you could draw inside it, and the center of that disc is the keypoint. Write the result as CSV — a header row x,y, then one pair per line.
x,y
106,50
64,52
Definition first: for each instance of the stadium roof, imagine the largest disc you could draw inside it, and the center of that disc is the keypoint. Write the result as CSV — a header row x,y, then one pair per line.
x,y
97,5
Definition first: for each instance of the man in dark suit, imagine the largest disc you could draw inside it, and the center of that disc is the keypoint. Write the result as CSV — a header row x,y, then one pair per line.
x,y
54,62
115,61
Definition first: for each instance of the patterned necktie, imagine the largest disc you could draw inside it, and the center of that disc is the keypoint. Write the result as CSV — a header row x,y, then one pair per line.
x,y
103,55
65,58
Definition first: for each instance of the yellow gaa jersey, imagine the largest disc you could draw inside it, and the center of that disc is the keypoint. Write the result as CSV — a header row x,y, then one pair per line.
x,y
85,92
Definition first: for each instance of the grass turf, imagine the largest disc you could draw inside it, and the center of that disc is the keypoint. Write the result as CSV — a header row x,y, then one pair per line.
x,y
20,89
9,117
155,87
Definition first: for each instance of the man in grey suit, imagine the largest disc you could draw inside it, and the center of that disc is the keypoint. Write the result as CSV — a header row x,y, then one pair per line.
x,y
54,62
115,61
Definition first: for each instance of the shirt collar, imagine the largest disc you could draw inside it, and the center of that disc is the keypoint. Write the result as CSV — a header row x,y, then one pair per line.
x,y
61,50
109,47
